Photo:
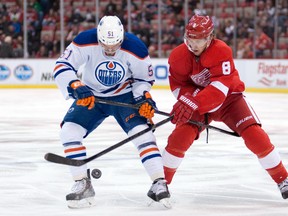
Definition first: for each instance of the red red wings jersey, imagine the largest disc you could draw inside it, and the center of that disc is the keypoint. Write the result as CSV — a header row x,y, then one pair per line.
x,y
211,77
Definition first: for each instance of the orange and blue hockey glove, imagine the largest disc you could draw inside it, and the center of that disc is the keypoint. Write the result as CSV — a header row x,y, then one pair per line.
x,y
148,106
82,93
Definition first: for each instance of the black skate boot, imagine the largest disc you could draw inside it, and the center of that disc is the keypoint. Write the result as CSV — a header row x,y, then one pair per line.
x,y
82,194
159,192
283,187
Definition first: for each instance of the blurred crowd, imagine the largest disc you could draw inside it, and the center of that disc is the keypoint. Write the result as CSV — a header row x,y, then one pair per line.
x,y
255,36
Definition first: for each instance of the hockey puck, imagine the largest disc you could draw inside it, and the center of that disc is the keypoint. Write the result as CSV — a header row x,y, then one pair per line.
x,y
96,173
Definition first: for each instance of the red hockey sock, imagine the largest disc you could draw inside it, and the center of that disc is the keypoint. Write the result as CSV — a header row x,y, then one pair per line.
x,y
259,143
278,173
169,173
178,143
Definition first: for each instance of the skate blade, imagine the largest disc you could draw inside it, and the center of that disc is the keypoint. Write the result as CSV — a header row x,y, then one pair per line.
x,y
162,203
84,203
166,203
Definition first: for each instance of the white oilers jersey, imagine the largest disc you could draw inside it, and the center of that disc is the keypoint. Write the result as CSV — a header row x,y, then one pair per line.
x,y
130,69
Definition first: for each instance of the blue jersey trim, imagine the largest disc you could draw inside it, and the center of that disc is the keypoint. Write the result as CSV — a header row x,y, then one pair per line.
x,y
134,45
86,37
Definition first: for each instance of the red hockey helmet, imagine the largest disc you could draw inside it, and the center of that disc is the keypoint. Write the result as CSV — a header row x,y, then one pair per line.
x,y
199,27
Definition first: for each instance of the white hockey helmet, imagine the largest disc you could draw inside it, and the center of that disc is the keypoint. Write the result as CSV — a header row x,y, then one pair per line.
x,y
110,30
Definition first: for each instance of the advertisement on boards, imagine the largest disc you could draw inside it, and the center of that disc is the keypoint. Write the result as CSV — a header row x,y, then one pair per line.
x,y
266,75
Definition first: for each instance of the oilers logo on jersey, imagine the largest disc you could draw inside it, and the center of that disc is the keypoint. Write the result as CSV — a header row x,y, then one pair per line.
x,y
109,73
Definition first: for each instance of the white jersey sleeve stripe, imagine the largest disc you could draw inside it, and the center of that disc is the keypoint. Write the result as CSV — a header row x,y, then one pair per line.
x,y
220,86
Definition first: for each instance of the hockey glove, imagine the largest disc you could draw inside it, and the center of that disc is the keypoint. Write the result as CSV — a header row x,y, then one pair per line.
x,y
148,106
82,93
183,109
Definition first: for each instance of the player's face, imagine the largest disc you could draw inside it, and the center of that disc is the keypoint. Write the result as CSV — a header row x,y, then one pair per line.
x,y
110,50
196,46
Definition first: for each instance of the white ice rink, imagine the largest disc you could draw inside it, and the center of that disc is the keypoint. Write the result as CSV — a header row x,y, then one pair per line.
x,y
221,178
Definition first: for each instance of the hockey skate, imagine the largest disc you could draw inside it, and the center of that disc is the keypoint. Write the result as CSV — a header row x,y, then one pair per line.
x,y
283,187
82,195
159,192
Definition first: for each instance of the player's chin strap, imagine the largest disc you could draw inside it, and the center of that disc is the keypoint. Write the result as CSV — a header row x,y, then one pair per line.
x,y
136,106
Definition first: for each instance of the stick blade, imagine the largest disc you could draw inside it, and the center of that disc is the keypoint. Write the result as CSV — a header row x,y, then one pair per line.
x,y
54,158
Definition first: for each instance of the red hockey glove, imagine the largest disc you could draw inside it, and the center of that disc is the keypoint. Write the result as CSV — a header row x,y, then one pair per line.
x,y
147,109
82,93
184,108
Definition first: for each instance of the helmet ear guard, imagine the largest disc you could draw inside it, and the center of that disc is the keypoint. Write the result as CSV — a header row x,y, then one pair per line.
x,y
199,27
110,30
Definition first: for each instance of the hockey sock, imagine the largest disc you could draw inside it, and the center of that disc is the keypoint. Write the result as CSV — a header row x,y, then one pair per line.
x,y
171,163
148,152
77,151
259,143
178,143
278,173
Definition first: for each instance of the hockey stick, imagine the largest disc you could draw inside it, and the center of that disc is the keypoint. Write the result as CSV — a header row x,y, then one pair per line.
x,y
136,106
72,162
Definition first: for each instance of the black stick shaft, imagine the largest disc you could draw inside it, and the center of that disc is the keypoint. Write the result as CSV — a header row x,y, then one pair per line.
x,y
136,106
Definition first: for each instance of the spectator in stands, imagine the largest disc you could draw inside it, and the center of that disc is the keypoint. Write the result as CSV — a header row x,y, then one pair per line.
x,y
133,4
17,27
47,42
244,50
262,22
270,8
46,5
143,32
111,8
3,10
152,8
89,16
18,47
11,30
51,18
228,31
38,8
33,39
270,11
15,13
3,23
73,32
153,50
2,35
260,5
32,16
176,23
146,14
56,44
250,2
76,17
176,6
283,16
6,49
42,52
262,43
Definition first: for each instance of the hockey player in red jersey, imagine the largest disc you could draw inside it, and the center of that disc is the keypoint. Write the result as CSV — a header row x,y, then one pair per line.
x,y
207,86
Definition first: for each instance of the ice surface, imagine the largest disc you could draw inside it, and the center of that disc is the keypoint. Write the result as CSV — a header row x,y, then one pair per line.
x,y
221,178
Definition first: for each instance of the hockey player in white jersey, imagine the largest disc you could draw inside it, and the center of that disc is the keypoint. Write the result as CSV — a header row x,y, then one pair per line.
x,y
117,67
